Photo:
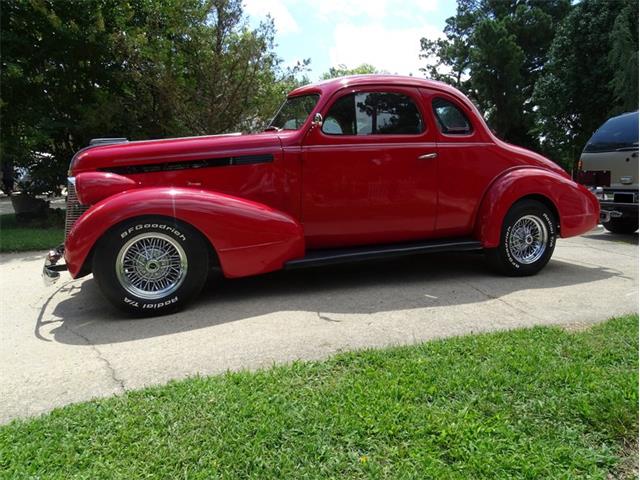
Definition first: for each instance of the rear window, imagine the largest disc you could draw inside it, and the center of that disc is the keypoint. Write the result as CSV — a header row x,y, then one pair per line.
x,y
451,120
617,133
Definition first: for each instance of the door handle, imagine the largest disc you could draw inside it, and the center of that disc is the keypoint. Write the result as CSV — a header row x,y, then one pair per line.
x,y
428,156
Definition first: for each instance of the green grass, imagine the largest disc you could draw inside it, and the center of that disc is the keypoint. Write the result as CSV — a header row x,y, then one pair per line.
x,y
34,235
539,403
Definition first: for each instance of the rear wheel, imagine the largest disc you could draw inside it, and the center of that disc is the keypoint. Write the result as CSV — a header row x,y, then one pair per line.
x,y
527,240
151,265
619,225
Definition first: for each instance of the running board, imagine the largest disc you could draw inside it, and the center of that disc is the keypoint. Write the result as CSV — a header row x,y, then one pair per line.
x,y
316,258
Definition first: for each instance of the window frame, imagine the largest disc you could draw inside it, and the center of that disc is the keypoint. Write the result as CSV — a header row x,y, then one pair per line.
x,y
403,91
309,116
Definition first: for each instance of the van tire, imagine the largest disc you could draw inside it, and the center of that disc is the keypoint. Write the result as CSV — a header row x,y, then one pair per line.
x,y
620,225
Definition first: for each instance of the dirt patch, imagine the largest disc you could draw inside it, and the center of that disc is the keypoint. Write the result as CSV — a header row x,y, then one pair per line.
x,y
577,327
628,467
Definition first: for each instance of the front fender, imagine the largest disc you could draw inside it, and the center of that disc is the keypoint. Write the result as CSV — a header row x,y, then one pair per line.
x,y
91,187
248,237
578,210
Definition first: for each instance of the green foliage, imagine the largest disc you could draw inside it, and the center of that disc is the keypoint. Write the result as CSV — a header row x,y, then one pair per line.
x,y
35,234
77,69
537,403
494,52
623,59
592,74
342,71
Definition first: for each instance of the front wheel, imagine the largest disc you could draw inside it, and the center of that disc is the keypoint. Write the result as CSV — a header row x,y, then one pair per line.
x,y
150,265
527,240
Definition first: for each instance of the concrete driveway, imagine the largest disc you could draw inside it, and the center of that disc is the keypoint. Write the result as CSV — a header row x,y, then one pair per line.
x,y
65,344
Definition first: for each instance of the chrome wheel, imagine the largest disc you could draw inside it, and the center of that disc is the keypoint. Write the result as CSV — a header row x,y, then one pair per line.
x,y
528,239
151,266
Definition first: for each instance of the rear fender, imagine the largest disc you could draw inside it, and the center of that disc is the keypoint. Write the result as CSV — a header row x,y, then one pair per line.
x,y
577,209
248,237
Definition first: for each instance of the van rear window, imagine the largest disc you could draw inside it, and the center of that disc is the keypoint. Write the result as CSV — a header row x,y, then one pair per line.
x,y
616,133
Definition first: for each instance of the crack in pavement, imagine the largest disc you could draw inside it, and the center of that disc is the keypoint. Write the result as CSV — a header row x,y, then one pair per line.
x,y
40,322
327,319
112,372
493,297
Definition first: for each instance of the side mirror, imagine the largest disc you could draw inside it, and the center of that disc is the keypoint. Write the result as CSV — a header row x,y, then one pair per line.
x,y
317,119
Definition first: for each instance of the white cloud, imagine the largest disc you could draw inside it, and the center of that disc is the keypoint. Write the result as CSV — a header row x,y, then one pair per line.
x,y
372,9
284,21
384,33
395,50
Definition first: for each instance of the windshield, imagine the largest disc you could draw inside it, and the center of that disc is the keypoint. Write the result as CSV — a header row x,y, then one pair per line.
x,y
293,112
616,133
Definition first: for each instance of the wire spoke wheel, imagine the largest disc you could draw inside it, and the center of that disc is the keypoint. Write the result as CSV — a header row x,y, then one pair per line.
x,y
151,266
528,239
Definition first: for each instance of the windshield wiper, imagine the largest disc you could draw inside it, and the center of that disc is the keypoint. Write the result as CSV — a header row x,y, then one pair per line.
x,y
272,128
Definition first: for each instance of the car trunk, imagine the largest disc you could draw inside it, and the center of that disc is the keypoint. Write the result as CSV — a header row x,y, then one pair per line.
x,y
616,169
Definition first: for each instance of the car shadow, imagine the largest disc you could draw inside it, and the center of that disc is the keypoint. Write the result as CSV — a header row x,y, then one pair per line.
x,y
602,234
362,288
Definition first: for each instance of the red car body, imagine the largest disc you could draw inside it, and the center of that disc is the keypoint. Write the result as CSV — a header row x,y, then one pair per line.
x,y
264,199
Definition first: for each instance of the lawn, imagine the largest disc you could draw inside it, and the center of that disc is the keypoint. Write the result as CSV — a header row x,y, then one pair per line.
x,y
539,403
35,235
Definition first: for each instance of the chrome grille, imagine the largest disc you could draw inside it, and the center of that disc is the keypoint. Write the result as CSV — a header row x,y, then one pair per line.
x,y
74,209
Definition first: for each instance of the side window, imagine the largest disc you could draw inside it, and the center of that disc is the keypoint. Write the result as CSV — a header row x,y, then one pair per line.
x,y
373,113
451,120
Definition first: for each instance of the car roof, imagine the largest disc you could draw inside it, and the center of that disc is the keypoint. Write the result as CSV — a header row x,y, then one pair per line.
x,y
329,86
625,115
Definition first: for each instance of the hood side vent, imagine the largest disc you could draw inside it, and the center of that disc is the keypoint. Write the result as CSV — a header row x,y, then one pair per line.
x,y
189,164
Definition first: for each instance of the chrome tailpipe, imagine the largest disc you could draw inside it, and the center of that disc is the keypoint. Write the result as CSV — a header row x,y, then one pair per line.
x,y
607,215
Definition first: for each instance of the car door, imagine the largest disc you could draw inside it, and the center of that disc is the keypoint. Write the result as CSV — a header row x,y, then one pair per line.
x,y
370,170
468,161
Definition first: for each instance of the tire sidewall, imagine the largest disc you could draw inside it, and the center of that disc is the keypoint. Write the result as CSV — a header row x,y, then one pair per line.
x,y
512,265
104,265
622,226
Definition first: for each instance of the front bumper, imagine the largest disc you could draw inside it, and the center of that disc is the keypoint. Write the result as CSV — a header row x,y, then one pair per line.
x,y
609,210
52,266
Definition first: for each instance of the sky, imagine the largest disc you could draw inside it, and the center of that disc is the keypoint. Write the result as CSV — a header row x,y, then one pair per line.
x,y
383,33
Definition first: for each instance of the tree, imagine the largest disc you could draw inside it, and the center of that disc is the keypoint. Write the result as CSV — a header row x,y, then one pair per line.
x,y
591,74
494,51
623,58
53,61
342,71
77,69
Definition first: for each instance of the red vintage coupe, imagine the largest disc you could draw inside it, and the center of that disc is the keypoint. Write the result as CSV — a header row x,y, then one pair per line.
x,y
349,169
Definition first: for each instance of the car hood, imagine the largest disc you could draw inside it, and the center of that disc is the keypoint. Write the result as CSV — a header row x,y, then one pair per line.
x,y
152,152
